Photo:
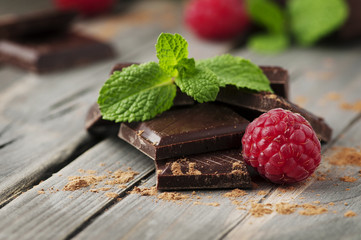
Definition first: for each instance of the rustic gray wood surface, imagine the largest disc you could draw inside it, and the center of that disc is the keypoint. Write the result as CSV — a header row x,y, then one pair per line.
x,y
42,138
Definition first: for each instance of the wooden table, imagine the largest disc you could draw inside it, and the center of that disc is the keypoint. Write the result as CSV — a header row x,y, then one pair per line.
x,y
43,141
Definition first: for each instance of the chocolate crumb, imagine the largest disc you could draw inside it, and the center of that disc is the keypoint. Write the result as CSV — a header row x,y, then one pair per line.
x,y
176,169
346,156
172,196
111,194
259,209
310,209
144,191
235,193
348,179
192,170
285,208
214,204
350,214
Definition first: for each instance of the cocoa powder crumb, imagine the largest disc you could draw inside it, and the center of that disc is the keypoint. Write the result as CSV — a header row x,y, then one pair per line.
x,y
144,191
346,156
350,214
348,179
285,208
111,194
214,204
310,209
41,191
259,209
172,196
192,169
235,193
261,193
176,169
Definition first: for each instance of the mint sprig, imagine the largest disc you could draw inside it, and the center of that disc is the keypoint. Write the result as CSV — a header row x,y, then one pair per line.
x,y
314,19
137,93
140,92
307,20
237,71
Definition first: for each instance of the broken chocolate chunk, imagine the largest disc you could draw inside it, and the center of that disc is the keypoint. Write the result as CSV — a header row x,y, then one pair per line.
x,y
53,52
251,105
278,78
38,23
181,132
221,169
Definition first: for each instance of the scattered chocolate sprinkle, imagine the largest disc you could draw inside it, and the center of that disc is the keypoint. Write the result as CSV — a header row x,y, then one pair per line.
x,y
350,214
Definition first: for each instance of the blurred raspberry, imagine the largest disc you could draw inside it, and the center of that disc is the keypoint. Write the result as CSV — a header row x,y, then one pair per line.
x,y
281,146
217,19
85,7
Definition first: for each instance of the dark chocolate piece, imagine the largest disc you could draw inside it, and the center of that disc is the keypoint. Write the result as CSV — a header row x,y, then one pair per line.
x,y
278,78
181,99
251,105
181,132
54,52
351,29
96,125
32,24
221,169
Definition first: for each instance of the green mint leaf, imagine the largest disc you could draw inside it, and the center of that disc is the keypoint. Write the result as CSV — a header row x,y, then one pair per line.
x,y
170,50
268,43
201,84
267,14
237,71
314,19
137,93
186,66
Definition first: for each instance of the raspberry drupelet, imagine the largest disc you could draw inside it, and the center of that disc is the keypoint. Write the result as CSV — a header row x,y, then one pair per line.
x,y
281,146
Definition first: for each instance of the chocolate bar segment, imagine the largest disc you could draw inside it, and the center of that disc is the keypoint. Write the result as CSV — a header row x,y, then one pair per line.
x,y
251,105
44,22
53,52
96,125
181,132
279,79
221,169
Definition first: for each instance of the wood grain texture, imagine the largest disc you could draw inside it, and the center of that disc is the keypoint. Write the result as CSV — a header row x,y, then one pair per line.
x,y
57,215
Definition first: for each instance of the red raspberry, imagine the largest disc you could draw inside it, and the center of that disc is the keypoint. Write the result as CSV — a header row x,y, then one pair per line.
x,y
85,7
281,146
217,19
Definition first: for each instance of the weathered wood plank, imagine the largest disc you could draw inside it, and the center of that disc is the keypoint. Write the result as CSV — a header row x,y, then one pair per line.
x,y
41,117
56,215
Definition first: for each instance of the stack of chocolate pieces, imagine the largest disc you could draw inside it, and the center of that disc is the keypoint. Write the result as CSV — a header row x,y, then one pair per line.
x,y
198,146
44,42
